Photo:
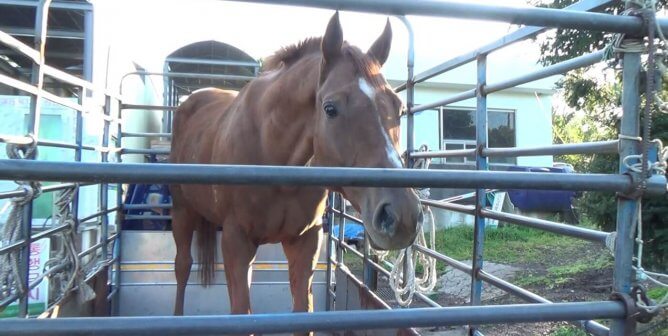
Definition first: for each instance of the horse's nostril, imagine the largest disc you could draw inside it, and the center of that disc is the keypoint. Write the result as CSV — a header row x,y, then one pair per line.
x,y
385,220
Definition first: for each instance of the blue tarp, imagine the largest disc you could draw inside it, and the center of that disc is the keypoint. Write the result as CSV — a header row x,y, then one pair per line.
x,y
351,231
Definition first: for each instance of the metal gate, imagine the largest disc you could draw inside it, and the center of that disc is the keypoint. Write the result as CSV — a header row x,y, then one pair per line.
x,y
630,184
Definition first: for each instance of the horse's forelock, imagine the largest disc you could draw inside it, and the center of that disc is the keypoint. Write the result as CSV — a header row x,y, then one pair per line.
x,y
366,66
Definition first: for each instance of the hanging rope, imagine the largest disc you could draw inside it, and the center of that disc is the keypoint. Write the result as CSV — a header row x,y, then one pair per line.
x,y
67,256
404,290
11,279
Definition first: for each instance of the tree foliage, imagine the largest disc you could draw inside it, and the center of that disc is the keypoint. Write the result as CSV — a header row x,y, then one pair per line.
x,y
594,109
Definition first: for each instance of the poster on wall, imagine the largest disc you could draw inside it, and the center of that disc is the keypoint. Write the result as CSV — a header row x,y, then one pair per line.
x,y
38,298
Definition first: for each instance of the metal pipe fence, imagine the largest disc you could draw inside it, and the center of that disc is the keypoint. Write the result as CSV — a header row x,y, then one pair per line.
x,y
324,176
624,183
319,321
36,90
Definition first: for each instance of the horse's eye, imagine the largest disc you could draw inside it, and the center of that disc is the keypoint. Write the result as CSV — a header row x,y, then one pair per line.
x,y
330,110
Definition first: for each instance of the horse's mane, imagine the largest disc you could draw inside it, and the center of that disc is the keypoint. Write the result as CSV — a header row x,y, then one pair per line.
x,y
289,55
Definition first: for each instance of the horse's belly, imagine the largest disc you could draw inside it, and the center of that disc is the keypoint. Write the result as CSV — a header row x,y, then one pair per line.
x,y
270,215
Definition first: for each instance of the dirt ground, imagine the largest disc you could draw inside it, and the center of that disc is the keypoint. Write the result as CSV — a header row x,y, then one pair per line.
x,y
588,284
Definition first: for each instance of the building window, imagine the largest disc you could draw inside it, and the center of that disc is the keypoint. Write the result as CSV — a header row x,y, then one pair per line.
x,y
458,132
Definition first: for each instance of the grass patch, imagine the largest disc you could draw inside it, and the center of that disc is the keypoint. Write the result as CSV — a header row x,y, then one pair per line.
x,y
657,293
568,331
559,275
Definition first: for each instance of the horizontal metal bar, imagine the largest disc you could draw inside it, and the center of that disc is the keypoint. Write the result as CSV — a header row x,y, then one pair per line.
x,y
50,71
145,151
51,33
147,107
98,214
17,84
61,186
530,16
317,321
8,300
12,193
552,70
514,37
545,225
212,62
324,176
147,206
13,246
90,250
555,69
23,140
501,284
589,325
447,101
347,216
511,288
444,153
19,46
147,217
559,149
467,209
456,264
145,135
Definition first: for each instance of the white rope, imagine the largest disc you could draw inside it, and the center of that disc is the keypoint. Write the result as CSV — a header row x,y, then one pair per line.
x,y
405,290
641,274
658,167
68,256
11,279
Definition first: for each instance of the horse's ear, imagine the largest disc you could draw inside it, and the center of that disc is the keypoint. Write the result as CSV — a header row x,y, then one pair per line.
x,y
380,49
332,41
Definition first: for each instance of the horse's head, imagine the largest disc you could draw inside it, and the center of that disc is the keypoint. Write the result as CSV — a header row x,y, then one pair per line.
x,y
357,125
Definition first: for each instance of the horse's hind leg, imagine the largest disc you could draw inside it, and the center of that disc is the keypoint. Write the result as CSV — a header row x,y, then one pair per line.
x,y
302,254
183,225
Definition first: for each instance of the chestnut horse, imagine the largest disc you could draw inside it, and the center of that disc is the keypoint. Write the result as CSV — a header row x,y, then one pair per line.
x,y
320,102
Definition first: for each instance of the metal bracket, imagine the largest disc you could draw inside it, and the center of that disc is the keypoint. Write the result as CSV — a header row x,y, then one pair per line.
x,y
643,315
631,311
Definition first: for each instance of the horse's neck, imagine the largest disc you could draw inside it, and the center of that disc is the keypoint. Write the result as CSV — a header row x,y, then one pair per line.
x,y
286,110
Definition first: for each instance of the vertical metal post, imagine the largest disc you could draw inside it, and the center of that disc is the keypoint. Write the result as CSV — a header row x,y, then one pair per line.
x,y
104,187
627,206
481,164
330,222
410,93
342,223
410,102
37,80
116,254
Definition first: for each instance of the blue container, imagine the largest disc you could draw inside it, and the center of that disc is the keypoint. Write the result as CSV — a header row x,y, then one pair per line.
x,y
541,200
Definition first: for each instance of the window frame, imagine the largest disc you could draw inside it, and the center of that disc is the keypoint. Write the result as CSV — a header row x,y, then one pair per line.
x,y
443,142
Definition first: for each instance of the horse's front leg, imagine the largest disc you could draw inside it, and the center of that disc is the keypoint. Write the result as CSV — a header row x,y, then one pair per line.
x,y
302,254
238,255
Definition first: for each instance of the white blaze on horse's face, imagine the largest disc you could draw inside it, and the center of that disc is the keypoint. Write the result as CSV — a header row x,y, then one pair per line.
x,y
368,90
392,152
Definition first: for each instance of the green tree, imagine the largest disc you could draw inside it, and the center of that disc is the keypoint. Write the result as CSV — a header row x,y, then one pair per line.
x,y
593,116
